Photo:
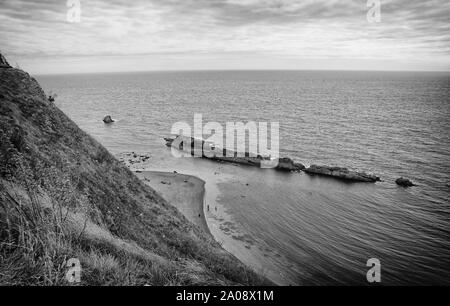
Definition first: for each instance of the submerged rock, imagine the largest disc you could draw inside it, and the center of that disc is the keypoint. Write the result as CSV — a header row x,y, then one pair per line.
x,y
133,160
404,182
342,173
108,119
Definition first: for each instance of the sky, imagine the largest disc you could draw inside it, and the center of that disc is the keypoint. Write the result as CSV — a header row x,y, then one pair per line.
x,y
138,35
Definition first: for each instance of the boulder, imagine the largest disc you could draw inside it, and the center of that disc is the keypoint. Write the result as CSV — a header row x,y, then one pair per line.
x,y
404,182
342,173
108,119
287,164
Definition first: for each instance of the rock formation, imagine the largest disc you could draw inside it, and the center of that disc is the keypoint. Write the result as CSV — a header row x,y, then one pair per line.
x,y
342,173
287,164
210,151
108,119
404,182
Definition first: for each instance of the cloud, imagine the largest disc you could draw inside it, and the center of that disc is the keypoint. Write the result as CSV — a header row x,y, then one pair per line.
x,y
275,29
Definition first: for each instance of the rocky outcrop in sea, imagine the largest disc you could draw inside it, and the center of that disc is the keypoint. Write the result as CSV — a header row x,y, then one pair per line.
x,y
342,173
287,164
108,119
209,151
404,182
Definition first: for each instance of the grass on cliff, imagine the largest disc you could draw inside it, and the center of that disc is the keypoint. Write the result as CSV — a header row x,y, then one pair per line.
x,y
63,196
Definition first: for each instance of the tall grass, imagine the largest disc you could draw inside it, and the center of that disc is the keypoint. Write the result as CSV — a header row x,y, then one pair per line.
x,y
34,244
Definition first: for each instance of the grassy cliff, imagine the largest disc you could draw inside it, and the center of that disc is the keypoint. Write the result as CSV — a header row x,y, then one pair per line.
x,y
63,195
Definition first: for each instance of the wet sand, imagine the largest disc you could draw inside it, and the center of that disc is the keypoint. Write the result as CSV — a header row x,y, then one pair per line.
x,y
185,192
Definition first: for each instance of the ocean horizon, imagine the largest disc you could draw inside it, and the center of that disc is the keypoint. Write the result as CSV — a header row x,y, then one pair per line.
x,y
444,71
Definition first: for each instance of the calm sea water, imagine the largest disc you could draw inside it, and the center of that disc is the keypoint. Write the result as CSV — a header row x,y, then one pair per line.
x,y
295,228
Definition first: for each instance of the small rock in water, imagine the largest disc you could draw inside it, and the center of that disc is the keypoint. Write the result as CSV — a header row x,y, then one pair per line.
x,y
108,119
175,172
404,182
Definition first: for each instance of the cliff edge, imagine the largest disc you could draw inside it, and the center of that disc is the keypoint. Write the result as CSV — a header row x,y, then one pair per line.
x,y
64,198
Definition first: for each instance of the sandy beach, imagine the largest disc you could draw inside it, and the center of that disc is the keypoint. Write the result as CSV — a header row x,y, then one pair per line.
x,y
185,192
201,189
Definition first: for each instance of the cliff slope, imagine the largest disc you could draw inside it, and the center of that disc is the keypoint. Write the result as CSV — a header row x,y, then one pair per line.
x,y
63,196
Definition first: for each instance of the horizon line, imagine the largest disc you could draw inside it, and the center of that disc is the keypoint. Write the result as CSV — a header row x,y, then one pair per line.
x,y
238,70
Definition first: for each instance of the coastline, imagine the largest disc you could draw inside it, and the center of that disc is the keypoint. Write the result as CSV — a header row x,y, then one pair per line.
x,y
185,192
189,193
201,189
64,191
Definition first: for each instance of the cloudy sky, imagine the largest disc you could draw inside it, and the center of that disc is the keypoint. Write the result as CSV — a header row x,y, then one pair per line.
x,y
125,35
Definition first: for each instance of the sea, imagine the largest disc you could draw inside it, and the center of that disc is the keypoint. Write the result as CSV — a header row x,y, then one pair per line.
x,y
294,228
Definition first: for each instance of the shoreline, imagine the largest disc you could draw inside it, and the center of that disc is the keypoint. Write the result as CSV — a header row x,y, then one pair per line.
x,y
183,191
192,199
188,193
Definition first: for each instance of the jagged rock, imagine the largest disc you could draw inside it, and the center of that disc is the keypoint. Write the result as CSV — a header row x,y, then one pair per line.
x,y
3,62
287,164
404,182
299,166
108,119
342,173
